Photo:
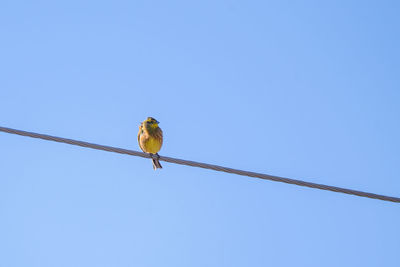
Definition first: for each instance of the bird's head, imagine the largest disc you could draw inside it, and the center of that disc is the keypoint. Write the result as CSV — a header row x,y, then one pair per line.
x,y
153,123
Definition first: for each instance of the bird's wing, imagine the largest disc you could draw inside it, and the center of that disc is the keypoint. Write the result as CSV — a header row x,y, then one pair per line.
x,y
139,135
159,135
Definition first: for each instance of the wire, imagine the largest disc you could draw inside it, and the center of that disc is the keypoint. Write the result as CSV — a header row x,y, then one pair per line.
x,y
201,165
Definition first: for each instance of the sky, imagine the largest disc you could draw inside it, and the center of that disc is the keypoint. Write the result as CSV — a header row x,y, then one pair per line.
x,y
301,89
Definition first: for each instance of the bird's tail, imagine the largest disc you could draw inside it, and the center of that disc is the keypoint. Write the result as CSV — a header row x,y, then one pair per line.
x,y
156,164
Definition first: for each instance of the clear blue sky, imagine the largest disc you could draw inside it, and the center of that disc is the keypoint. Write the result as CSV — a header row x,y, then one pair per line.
x,y
302,89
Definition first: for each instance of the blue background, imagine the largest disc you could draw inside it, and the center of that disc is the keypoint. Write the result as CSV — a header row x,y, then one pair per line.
x,y
301,89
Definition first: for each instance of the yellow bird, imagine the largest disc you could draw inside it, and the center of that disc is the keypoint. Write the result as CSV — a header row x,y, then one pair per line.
x,y
150,139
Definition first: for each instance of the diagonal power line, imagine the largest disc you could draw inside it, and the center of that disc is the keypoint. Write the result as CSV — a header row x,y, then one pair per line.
x,y
201,165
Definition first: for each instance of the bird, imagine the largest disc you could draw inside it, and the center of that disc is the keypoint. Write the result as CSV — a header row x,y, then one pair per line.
x,y
150,139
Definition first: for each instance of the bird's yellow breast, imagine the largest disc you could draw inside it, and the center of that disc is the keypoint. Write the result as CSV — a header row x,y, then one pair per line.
x,y
151,145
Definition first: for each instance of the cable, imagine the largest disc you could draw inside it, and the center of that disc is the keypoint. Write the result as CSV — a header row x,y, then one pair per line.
x,y
201,165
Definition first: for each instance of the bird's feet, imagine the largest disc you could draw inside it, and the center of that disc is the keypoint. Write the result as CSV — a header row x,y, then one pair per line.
x,y
154,156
